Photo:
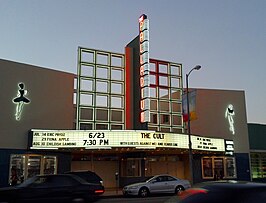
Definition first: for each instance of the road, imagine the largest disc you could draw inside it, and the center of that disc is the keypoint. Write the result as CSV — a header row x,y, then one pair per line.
x,y
155,199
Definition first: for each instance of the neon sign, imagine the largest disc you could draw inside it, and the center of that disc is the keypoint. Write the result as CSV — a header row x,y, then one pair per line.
x,y
108,139
20,100
144,68
229,114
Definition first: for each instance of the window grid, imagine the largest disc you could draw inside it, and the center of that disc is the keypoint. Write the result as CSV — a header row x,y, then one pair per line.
x,y
168,73
258,165
100,66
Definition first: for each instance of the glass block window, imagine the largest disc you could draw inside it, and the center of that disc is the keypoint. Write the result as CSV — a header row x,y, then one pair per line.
x,y
87,70
101,72
102,58
86,99
117,115
166,96
117,88
100,90
117,102
86,85
101,100
86,114
117,74
101,115
163,68
87,56
117,60
101,86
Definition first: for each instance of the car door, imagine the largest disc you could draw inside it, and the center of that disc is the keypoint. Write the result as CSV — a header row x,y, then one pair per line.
x,y
155,185
171,184
165,184
37,191
161,185
62,187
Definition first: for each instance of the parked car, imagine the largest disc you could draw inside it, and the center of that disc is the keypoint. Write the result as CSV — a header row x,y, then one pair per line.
x,y
156,185
89,176
225,192
52,188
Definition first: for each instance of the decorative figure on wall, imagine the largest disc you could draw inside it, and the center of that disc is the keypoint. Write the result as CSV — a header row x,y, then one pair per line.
x,y
20,100
229,114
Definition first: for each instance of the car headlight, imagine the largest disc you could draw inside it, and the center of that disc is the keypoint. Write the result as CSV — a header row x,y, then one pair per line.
x,y
133,187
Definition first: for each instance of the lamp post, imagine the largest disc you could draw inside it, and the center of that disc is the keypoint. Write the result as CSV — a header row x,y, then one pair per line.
x,y
197,67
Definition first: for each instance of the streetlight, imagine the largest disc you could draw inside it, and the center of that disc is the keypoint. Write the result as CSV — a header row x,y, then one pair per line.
x,y
197,67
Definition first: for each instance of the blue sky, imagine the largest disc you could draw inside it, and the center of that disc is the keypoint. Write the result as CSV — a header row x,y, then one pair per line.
x,y
226,37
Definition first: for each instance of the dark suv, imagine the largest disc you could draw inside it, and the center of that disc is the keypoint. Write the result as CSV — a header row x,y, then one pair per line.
x,y
89,176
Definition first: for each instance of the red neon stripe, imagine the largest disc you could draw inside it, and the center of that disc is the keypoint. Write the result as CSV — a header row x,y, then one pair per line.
x,y
129,89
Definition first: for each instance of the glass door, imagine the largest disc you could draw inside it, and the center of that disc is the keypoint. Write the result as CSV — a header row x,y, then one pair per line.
x,y
218,168
34,165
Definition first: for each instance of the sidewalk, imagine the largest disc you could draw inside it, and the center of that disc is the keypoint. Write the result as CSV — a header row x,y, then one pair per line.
x,y
112,192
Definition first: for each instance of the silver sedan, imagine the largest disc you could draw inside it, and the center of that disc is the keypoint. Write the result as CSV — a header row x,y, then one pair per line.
x,y
157,184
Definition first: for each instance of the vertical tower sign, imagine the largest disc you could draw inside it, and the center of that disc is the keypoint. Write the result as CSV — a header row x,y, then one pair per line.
x,y
144,69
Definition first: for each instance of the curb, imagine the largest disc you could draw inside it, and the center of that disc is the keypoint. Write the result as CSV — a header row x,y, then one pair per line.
x,y
111,196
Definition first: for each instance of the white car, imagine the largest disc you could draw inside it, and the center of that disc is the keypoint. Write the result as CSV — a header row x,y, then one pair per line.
x,y
157,184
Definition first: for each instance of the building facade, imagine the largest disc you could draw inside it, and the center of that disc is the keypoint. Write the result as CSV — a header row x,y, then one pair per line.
x,y
222,114
49,137
32,97
120,114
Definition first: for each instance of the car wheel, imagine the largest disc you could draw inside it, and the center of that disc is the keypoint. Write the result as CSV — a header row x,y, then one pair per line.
x,y
143,192
179,189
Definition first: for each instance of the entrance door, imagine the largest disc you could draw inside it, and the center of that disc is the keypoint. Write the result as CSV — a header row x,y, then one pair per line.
x,y
105,169
218,168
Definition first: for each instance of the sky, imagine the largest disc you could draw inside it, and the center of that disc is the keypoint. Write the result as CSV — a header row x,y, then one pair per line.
x,y
226,37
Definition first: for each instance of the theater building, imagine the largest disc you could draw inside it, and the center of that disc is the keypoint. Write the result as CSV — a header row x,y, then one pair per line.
x,y
120,114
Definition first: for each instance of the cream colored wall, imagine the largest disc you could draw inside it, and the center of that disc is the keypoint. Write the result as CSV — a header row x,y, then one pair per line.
x,y
105,169
51,102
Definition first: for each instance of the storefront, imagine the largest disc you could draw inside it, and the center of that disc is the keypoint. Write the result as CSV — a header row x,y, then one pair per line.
x,y
135,155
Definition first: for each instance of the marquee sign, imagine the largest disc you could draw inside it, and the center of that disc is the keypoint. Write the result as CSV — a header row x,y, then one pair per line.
x,y
107,139
144,68
207,144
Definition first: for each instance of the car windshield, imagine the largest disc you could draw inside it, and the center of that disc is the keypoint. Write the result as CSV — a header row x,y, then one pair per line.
x,y
149,179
